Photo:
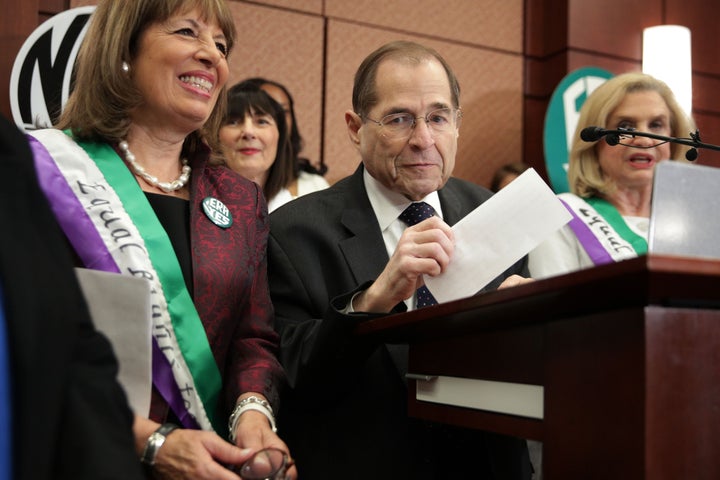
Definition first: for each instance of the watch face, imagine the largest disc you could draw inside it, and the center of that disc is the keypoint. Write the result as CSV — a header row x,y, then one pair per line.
x,y
154,442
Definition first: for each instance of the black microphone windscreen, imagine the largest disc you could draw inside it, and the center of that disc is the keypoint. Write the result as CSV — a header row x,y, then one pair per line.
x,y
612,139
591,134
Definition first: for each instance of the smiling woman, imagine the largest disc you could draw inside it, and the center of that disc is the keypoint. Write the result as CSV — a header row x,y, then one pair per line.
x,y
132,163
257,143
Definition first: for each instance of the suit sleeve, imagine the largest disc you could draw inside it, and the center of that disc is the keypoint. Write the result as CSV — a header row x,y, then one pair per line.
x,y
71,419
318,348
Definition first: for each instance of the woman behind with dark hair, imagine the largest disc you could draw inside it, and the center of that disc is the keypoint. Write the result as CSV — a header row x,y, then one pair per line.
x,y
257,145
281,94
506,174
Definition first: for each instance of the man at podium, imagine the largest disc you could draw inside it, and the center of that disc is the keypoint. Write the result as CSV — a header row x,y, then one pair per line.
x,y
357,251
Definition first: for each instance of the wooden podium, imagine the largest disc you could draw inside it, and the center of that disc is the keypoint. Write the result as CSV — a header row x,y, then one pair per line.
x,y
615,369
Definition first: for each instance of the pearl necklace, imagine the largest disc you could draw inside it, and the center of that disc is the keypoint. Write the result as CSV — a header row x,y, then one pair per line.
x,y
167,187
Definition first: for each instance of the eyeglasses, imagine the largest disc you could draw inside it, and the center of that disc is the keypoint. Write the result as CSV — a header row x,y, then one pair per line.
x,y
400,125
266,464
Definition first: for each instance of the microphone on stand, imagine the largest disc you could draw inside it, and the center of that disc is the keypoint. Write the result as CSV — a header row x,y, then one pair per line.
x,y
612,137
593,134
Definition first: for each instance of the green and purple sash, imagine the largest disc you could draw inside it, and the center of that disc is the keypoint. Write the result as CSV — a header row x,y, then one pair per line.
x,y
601,230
112,227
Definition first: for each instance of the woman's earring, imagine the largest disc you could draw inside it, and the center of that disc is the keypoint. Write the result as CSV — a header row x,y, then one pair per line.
x,y
125,67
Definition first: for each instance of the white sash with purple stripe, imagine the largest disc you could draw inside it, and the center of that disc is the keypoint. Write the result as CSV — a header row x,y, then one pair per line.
x,y
105,237
600,240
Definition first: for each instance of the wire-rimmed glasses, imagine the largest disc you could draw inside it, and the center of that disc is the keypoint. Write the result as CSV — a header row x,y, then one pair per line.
x,y
266,464
401,125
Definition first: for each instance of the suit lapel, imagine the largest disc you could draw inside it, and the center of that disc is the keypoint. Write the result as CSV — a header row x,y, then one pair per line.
x,y
364,247
453,210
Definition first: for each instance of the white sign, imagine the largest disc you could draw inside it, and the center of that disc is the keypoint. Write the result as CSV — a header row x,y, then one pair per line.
x,y
41,77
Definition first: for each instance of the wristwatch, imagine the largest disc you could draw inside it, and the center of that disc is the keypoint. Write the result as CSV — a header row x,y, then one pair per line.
x,y
155,441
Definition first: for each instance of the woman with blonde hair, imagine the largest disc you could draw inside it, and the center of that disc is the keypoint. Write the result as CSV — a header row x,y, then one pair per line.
x,y
611,185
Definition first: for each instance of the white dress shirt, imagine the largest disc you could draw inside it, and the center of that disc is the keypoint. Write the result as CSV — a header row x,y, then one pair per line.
x,y
388,205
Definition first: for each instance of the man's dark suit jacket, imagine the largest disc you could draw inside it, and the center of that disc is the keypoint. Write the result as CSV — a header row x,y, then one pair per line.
x,y
70,417
346,413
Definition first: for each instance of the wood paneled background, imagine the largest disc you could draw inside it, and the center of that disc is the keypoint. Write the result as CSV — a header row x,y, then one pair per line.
x,y
508,54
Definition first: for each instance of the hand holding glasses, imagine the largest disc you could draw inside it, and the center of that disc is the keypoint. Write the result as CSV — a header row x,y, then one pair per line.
x,y
265,464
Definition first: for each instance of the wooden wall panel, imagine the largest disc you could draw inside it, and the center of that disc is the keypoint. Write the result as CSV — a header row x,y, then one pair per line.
x,y
701,17
309,6
546,28
285,46
52,6
18,20
490,23
612,27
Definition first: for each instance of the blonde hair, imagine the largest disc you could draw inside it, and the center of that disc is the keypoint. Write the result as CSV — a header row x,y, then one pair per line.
x,y
98,108
585,178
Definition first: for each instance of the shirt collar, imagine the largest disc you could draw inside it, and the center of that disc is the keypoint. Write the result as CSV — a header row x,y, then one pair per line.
x,y
388,205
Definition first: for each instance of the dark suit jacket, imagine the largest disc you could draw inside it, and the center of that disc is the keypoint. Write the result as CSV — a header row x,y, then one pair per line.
x,y
346,411
70,416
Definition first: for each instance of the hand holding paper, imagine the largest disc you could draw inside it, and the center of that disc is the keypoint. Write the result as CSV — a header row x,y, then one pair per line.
x,y
497,234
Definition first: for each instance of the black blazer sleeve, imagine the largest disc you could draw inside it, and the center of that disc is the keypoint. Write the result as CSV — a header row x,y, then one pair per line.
x,y
71,418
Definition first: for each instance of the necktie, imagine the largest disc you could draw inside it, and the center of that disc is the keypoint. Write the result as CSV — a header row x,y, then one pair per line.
x,y
416,213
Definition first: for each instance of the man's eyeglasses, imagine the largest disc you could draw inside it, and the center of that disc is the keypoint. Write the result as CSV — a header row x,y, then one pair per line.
x,y
400,125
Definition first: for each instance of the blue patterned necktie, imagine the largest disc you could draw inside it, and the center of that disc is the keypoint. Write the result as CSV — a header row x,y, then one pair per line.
x,y
416,213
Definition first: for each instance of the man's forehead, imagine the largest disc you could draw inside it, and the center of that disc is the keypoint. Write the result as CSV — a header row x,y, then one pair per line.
x,y
399,81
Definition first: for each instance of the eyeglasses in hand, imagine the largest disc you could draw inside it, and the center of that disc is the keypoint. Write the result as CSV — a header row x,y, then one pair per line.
x,y
265,464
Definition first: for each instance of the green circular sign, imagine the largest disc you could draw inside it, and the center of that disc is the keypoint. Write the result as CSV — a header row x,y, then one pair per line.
x,y
562,117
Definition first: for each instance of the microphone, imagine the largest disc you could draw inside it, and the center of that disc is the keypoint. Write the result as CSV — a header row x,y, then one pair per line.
x,y
593,134
612,137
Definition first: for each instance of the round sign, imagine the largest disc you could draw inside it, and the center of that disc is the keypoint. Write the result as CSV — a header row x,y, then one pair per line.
x,y
41,77
562,117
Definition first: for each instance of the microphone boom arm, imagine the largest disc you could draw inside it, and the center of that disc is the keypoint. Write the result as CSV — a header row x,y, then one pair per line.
x,y
590,133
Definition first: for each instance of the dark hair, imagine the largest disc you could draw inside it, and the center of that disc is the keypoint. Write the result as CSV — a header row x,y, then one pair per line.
x,y
364,94
296,140
246,98
514,169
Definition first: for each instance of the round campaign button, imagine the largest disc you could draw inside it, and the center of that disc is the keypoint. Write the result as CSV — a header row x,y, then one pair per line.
x,y
217,212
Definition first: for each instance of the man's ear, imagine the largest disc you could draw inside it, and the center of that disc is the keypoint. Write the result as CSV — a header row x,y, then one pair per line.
x,y
354,122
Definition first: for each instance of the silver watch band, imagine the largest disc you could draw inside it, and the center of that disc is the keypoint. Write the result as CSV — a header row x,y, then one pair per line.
x,y
155,441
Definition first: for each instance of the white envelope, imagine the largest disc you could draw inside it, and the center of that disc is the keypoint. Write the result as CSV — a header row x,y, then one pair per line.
x,y
497,234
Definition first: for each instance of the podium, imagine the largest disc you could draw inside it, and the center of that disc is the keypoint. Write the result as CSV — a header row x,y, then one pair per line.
x,y
616,369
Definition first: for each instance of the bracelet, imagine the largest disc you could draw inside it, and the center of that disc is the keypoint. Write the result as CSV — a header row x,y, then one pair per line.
x,y
155,441
250,403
